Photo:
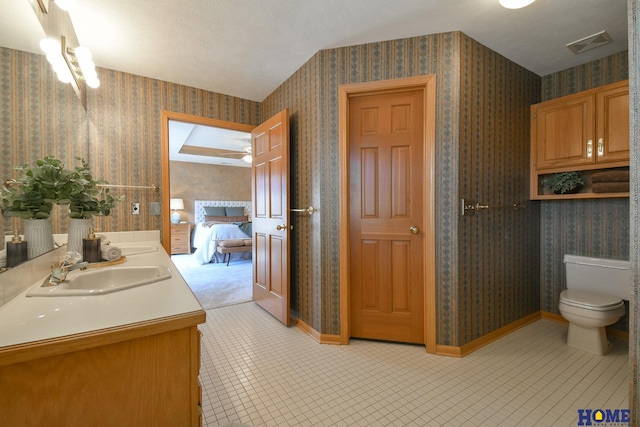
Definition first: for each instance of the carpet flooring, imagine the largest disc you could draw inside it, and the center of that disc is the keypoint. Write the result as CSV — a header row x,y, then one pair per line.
x,y
216,284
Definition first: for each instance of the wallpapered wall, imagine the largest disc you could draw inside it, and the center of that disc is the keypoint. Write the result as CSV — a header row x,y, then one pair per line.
x,y
119,133
469,304
498,247
37,119
590,227
198,181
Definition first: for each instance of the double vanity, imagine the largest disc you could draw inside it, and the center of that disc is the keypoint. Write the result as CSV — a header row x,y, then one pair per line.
x,y
110,345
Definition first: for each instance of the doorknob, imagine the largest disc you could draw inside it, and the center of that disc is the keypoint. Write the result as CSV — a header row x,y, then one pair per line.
x,y
414,229
281,227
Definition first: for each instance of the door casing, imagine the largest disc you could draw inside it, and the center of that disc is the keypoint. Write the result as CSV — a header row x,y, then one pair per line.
x,y
427,84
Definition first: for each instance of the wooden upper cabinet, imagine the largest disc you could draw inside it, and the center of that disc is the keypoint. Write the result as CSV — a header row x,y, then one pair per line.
x,y
613,124
563,131
582,131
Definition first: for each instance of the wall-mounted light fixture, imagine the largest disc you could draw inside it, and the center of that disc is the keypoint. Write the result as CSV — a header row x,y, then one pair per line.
x,y
247,158
515,4
70,64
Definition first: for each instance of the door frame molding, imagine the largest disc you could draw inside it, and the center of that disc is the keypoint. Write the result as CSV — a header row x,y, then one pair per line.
x,y
165,117
427,84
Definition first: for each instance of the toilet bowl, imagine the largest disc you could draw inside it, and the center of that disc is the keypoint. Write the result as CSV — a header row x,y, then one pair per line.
x,y
593,300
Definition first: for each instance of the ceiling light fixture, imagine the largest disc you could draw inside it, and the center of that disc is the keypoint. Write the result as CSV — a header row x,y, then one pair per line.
x,y
515,4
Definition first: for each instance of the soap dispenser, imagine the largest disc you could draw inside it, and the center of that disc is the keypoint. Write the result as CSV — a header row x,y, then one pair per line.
x,y
16,250
91,248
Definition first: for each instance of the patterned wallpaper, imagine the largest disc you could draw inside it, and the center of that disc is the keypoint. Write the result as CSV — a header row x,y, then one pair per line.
x,y
498,247
119,133
469,304
37,119
590,227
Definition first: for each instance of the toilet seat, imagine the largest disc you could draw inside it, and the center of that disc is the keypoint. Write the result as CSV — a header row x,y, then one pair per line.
x,y
588,300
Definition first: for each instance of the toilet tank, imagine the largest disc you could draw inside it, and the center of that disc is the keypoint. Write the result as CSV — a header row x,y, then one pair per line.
x,y
607,276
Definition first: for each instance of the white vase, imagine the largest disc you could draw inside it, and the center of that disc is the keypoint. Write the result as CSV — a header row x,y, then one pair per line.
x,y
79,229
39,236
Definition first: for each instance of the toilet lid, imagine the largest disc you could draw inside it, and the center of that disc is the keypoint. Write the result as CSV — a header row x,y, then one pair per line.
x,y
590,300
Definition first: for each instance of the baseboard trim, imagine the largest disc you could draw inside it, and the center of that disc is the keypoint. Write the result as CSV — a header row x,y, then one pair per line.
x,y
553,316
321,338
470,347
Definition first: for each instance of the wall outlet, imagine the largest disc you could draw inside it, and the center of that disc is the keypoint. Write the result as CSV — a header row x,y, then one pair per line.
x,y
135,208
154,208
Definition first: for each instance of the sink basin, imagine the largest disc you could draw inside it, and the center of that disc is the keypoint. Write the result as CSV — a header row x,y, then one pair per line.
x,y
102,281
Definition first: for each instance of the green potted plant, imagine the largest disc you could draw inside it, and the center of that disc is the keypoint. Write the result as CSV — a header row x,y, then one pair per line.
x,y
85,198
84,195
564,182
31,197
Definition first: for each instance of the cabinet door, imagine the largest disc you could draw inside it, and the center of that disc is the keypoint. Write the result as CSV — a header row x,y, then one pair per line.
x,y
563,132
613,124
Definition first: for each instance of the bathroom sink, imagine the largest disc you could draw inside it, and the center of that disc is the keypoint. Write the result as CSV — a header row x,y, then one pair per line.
x,y
102,281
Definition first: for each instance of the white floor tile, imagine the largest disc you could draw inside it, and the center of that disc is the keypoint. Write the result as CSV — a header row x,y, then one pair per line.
x,y
257,372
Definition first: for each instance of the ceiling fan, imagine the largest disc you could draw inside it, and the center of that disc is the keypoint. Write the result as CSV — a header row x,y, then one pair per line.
x,y
245,154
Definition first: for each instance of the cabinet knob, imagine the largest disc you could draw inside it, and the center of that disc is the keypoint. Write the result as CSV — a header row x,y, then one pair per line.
x,y
589,149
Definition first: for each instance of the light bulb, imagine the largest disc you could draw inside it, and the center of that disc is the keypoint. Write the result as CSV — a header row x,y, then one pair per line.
x,y
66,4
64,75
49,45
515,4
83,54
93,83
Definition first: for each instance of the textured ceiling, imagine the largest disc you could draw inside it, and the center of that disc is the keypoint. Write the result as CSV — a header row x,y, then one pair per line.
x,y
247,48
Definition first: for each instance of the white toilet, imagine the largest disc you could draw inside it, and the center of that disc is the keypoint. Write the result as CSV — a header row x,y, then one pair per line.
x,y
593,299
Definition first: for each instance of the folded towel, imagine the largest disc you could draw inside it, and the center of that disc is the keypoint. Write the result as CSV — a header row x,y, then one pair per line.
x,y
110,253
610,176
610,187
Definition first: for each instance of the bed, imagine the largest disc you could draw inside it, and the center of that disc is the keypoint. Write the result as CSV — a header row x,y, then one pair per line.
x,y
218,221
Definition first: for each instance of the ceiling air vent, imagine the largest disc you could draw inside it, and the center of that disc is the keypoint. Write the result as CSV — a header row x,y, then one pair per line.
x,y
591,42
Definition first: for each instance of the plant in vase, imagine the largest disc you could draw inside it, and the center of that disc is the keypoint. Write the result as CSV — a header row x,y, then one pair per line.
x,y
31,196
86,199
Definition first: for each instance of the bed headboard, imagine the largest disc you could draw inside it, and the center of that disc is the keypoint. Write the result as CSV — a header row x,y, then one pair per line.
x,y
200,204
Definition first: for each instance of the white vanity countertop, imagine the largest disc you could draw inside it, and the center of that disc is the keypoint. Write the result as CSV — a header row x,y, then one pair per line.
x,y
27,319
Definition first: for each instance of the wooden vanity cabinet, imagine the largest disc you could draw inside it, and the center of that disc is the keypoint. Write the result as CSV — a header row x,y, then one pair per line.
x,y
585,131
137,375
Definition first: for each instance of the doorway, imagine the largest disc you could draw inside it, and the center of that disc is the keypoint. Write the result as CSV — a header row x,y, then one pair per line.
x,y
205,157
418,214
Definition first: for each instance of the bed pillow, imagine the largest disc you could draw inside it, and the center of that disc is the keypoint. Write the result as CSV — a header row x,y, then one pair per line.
x,y
234,211
214,211
212,218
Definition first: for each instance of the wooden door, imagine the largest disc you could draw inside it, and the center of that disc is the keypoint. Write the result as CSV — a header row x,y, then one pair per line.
x,y
270,188
613,123
386,217
563,132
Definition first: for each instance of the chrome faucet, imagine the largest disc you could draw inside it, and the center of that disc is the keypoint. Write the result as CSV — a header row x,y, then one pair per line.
x,y
60,274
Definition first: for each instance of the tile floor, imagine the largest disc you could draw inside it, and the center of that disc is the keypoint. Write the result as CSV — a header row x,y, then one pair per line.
x,y
257,372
